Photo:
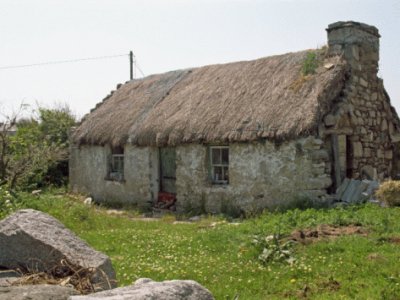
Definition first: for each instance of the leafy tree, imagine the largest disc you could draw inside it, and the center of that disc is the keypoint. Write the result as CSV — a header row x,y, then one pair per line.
x,y
38,153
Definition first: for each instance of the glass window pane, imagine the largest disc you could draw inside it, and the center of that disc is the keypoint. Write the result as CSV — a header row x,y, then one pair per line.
x,y
226,174
117,164
225,156
216,156
121,165
113,164
217,173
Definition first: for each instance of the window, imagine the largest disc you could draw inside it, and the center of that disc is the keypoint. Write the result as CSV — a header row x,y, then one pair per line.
x,y
219,162
117,164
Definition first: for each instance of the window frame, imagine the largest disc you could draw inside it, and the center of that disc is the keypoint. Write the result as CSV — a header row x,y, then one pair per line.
x,y
221,165
116,165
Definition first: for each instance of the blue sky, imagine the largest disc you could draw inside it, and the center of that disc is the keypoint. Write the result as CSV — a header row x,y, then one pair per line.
x,y
165,35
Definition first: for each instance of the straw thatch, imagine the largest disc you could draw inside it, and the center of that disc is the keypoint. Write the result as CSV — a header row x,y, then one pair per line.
x,y
242,101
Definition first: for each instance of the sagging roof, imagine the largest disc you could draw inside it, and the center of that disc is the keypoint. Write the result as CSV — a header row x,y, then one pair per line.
x,y
267,98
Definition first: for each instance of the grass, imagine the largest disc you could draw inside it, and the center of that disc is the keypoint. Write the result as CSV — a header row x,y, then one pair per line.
x,y
221,256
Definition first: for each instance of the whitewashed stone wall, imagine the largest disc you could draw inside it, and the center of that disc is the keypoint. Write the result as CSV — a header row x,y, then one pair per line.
x,y
261,175
88,172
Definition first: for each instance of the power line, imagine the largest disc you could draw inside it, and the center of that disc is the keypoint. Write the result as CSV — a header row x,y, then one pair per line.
x,y
137,67
62,62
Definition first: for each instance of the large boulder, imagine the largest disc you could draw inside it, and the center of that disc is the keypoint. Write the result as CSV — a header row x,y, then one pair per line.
x,y
145,289
36,292
37,242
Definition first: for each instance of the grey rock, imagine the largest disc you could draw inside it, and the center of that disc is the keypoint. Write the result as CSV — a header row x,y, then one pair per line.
x,y
146,289
36,192
38,242
88,201
330,120
36,292
320,155
7,277
195,219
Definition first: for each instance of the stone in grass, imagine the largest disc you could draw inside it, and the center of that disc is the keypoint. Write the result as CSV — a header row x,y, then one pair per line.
x,y
144,289
37,242
36,292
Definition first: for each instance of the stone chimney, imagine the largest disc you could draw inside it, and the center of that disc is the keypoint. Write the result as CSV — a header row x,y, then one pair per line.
x,y
358,43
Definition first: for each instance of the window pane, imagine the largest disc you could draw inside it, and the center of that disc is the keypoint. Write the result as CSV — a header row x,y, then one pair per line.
x,y
216,156
121,165
226,174
113,164
225,156
117,164
217,173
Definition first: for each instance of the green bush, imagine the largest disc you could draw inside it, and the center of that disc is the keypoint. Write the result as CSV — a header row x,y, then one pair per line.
x,y
389,193
274,250
37,155
310,64
8,203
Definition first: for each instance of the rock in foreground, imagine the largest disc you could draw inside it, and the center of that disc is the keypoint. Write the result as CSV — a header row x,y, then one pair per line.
x,y
38,242
36,292
145,289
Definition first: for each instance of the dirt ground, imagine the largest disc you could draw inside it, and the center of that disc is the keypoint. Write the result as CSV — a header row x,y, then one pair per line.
x,y
310,235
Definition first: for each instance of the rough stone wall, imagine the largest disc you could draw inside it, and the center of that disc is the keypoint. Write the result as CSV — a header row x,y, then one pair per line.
x,y
88,173
261,175
363,115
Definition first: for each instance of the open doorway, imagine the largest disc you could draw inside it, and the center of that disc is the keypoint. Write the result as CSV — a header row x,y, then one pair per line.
x,y
168,170
167,194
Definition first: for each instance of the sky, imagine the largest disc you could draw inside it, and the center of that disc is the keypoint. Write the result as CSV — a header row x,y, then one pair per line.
x,y
164,35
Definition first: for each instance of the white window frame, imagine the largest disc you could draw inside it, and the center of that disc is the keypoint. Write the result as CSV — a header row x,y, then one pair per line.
x,y
221,165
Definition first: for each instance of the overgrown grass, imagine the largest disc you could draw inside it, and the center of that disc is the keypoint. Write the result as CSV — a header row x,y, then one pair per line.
x,y
221,256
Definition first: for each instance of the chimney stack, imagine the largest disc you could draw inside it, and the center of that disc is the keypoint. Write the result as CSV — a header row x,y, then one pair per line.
x,y
358,43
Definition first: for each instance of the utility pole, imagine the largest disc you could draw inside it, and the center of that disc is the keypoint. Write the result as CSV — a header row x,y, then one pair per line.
x,y
131,64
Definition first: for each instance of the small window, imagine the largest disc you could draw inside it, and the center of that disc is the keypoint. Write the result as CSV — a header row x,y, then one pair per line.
x,y
117,164
219,160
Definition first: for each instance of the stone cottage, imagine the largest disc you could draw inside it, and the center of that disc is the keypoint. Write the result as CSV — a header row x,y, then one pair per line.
x,y
245,135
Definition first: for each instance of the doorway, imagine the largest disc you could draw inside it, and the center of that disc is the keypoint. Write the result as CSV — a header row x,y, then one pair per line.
x,y
168,170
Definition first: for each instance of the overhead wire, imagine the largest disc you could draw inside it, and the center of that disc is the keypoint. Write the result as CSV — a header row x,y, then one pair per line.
x,y
62,62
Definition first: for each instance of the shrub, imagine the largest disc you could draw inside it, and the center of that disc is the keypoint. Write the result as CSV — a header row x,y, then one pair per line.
x,y
310,63
274,250
8,203
389,193
37,154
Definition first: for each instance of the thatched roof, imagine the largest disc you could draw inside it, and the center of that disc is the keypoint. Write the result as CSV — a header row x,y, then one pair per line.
x,y
241,101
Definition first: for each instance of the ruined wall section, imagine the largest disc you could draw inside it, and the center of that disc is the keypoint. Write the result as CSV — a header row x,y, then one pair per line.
x,y
261,175
363,115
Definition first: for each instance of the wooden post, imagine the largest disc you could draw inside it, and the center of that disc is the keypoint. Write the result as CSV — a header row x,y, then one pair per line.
x,y
131,64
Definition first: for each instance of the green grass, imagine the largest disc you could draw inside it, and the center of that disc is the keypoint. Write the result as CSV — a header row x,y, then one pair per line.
x,y
223,259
